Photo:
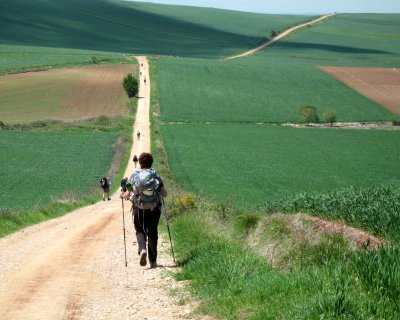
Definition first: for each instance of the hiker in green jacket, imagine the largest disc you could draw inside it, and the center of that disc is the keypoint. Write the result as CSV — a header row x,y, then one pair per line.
x,y
147,191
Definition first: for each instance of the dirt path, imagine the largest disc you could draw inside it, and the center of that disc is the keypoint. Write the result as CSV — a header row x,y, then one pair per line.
x,y
280,36
73,267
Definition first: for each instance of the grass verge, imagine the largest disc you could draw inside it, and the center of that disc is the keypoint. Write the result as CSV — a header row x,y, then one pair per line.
x,y
322,278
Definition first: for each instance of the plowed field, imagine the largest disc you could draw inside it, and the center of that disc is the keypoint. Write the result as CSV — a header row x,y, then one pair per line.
x,y
378,84
64,94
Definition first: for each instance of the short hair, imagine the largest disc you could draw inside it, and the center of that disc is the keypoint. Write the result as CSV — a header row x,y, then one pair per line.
x,y
145,160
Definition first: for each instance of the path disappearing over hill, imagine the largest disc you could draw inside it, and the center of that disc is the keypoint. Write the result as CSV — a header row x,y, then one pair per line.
x,y
278,37
73,267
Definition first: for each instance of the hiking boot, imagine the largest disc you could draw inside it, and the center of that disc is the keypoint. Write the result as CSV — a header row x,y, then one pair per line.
x,y
143,257
153,265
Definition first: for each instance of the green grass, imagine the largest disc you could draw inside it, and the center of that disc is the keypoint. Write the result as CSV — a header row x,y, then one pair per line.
x,y
256,89
234,283
249,164
134,27
43,166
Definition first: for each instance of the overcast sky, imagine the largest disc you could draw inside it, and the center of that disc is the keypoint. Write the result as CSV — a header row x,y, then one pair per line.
x,y
294,6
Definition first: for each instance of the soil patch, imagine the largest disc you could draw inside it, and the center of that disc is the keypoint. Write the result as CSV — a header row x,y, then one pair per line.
x,y
381,85
356,237
64,94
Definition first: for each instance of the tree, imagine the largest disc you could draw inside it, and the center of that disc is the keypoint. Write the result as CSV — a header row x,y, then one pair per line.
x,y
273,34
330,116
131,85
308,114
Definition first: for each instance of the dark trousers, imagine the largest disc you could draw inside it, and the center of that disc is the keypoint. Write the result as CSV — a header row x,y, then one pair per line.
x,y
146,226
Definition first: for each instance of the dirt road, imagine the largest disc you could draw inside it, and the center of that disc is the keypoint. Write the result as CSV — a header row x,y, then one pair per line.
x,y
280,36
73,267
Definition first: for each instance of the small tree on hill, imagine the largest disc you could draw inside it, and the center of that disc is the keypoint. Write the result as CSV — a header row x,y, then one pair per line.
x,y
308,114
94,60
330,116
273,34
131,85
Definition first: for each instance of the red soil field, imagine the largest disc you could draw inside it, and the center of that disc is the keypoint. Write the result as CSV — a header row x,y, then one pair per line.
x,y
381,85
64,94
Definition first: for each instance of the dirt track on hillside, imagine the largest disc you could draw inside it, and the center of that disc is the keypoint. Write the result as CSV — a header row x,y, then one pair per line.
x,y
73,267
278,37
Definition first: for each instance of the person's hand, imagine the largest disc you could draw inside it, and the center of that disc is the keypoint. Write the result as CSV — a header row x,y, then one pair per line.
x,y
126,195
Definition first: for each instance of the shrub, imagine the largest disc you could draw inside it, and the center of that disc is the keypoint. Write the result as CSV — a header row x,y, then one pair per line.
x,y
2,125
273,34
39,124
243,223
394,121
94,60
308,114
183,203
330,116
131,85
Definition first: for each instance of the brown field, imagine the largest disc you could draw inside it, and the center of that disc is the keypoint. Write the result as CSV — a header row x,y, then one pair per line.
x,y
378,84
64,94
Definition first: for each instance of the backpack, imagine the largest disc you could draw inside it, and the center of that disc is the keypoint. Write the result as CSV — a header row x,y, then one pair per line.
x,y
104,182
145,189
123,184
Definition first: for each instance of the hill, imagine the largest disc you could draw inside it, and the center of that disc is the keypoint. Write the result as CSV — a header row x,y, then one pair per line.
x,y
134,27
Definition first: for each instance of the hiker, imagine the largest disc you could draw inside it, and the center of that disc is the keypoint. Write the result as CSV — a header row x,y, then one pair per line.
x,y
146,195
105,185
135,160
144,80
138,137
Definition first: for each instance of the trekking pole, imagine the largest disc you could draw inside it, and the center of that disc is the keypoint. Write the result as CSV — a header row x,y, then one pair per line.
x,y
169,233
123,223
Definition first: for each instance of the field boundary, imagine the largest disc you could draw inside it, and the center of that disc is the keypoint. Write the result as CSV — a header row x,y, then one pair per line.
x,y
278,37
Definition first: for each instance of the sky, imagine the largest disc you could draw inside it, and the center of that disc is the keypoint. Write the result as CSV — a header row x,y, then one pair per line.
x,y
294,6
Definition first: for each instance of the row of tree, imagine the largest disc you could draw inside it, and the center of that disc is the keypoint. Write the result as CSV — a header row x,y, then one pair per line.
x,y
309,114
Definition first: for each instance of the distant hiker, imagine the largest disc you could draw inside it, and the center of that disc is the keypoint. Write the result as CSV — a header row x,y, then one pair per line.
x,y
141,64
146,192
105,185
140,72
144,80
135,160
138,135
